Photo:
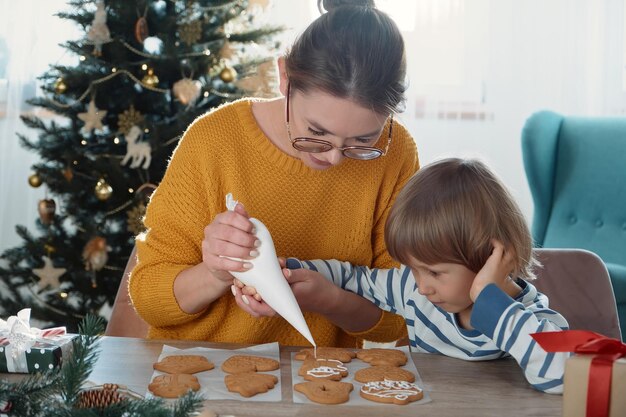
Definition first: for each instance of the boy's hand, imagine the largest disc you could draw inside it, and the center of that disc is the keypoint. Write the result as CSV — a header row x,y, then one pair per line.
x,y
496,270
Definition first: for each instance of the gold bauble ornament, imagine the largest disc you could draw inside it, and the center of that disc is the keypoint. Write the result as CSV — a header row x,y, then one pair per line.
x,y
228,74
59,86
103,190
34,180
150,79
46,208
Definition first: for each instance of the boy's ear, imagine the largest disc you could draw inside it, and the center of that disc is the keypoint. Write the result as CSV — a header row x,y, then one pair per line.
x,y
283,79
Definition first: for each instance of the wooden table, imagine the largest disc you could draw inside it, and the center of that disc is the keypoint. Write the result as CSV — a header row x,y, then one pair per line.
x,y
457,388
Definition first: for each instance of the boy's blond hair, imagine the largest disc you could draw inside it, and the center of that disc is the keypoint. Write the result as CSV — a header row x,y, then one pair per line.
x,y
449,212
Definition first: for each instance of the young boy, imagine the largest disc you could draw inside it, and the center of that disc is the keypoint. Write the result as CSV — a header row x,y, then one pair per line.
x,y
467,258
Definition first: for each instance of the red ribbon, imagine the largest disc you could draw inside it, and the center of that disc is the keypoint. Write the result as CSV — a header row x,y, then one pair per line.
x,y
584,342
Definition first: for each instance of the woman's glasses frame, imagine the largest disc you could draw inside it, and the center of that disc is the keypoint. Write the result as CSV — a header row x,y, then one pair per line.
x,y
363,153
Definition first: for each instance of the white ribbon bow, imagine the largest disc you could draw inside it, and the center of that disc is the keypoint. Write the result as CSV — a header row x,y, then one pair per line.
x,y
22,337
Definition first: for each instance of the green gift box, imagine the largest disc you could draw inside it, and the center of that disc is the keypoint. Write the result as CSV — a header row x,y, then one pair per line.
x,y
44,354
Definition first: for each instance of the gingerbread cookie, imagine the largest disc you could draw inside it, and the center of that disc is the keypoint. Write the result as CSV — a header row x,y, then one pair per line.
x,y
339,354
183,364
325,391
377,356
249,384
243,363
382,373
394,392
173,385
313,369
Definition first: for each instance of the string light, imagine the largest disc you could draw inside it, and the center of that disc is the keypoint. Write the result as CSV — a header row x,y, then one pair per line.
x,y
103,79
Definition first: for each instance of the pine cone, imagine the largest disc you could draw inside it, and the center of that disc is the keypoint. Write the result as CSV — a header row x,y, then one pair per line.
x,y
101,397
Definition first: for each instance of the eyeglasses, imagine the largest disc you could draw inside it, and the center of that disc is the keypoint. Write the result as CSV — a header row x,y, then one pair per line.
x,y
363,153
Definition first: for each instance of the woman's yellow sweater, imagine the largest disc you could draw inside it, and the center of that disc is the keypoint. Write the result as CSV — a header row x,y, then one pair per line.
x,y
338,213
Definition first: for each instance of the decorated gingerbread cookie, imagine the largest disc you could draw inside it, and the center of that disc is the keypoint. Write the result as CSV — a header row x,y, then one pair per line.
x,y
377,356
314,369
183,364
339,354
249,384
244,363
382,373
394,392
325,391
173,385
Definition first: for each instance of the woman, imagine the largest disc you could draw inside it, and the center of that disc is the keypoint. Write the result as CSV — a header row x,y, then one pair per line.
x,y
320,167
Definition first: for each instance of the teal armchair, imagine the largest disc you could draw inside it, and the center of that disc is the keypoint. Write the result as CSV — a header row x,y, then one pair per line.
x,y
576,170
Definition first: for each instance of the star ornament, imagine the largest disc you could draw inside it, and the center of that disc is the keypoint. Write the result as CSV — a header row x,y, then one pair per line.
x,y
48,275
92,118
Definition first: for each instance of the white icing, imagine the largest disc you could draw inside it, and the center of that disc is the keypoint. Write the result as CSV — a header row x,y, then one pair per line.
x,y
400,390
324,371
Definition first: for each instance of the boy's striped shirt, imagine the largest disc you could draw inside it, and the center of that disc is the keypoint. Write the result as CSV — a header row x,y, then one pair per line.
x,y
502,325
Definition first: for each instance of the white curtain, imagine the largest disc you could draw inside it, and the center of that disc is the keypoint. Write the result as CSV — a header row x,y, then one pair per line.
x,y
29,38
479,68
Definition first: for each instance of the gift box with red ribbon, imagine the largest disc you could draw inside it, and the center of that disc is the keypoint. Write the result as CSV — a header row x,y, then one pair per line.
x,y
28,349
595,376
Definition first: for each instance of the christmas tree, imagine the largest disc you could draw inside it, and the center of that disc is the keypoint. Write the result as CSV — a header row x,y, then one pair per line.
x,y
145,70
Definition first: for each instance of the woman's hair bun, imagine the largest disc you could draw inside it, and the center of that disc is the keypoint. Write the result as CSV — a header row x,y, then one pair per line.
x,y
329,5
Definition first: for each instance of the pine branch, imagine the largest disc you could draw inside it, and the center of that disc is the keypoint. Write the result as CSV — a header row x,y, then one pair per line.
x,y
55,393
190,403
36,389
74,374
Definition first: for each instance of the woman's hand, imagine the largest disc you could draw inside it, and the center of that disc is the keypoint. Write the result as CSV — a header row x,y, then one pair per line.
x,y
312,291
230,235
497,270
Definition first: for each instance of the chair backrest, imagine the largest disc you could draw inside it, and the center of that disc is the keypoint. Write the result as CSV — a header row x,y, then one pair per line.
x,y
124,320
577,284
576,170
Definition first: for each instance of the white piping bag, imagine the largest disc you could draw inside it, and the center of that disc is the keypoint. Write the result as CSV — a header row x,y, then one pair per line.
x,y
267,277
